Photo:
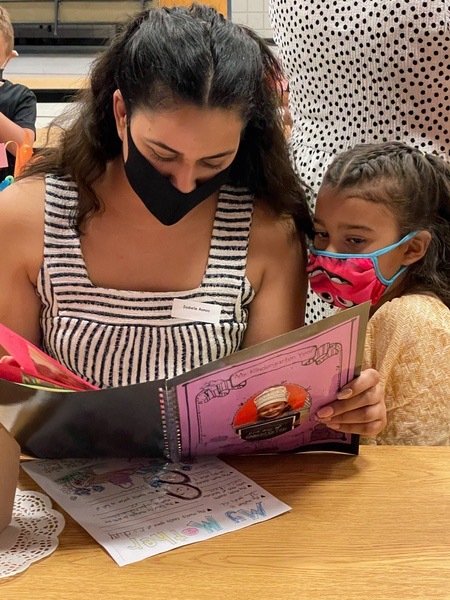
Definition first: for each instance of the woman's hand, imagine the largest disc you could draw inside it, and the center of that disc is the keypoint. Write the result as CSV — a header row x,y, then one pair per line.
x,y
360,407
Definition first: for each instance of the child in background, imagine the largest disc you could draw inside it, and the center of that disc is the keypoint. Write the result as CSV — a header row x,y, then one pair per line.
x,y
17,102
382,234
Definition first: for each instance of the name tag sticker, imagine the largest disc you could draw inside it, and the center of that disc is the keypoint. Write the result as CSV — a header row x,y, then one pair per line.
x,y
190,310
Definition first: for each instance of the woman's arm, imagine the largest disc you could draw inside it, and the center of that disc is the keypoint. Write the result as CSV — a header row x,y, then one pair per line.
x,y
21,255
276,270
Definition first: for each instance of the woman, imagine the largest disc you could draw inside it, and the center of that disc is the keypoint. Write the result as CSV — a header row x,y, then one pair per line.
x,y
172,191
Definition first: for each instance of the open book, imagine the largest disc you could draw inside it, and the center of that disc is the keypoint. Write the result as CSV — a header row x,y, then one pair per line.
x,y
259,400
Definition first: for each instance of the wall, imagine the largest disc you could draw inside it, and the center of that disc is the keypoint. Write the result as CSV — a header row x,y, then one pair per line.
x,y
254,13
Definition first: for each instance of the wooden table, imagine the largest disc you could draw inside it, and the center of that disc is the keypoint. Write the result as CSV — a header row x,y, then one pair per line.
x,y
52,88
372,527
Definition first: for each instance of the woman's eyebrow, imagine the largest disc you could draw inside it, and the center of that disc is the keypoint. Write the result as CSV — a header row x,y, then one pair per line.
x,y
220,155
169,149
163,146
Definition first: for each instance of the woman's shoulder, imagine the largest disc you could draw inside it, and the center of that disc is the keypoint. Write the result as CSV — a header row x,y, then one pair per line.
x,y
22,214
274,244
24,200
272,227
274,237
22,203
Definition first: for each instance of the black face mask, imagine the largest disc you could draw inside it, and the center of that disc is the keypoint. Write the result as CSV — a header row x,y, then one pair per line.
x,y
161,198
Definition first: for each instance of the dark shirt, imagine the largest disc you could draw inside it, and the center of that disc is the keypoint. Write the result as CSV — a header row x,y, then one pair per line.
x,y
18,103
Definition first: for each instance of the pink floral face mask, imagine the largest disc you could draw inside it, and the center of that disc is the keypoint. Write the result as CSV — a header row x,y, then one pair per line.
x,y
348,279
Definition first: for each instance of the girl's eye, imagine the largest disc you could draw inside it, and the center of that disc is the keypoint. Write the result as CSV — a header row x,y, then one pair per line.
x,y
356,241
321,235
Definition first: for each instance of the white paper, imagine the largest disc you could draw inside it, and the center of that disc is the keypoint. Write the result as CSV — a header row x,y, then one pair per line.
x,y
136,508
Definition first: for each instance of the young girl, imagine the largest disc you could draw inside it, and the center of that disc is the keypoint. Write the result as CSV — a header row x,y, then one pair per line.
x,y
382,234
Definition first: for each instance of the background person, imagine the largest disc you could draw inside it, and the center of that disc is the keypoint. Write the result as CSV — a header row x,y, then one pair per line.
x,y
17,102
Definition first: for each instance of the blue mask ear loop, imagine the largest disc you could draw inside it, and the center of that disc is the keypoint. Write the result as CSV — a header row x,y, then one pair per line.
x,y
375,255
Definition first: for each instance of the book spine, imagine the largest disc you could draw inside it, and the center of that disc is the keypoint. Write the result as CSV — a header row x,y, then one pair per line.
x,y
170,424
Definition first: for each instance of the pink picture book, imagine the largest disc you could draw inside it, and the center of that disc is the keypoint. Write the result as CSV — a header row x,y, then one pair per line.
x,y
263,399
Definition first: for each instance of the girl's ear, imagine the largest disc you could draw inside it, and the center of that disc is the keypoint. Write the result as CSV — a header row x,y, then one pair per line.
x,y
120,114
416,248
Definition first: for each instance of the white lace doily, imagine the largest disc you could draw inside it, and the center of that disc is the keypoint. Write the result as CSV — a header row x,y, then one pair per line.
x,y
32,535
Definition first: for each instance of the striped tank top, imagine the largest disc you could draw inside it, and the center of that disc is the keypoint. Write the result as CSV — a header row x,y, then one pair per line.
x,y
117,337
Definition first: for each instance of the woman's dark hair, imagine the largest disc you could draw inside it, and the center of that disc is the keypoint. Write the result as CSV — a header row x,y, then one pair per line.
x,y
416,188
166,57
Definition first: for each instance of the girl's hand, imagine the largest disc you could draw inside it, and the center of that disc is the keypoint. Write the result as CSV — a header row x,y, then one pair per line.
x,y
360,407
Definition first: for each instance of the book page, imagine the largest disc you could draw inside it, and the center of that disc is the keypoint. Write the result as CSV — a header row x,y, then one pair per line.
x,y
138,508
267,401
30,366
116,422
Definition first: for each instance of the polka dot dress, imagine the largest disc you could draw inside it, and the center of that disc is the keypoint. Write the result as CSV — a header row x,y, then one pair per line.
x,y
363,71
